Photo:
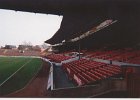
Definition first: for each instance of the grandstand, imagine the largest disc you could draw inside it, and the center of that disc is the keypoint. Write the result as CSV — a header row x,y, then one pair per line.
x,y
97,72
96,68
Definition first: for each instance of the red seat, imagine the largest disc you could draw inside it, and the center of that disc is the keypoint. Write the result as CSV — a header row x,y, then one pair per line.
x,y
113,69
99,74
93,75
91,79
109,72
78,80
86,81
103,72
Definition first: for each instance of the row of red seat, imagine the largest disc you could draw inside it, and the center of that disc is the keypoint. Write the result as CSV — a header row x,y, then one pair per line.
x,y
135,60
123,55
126,56
104,54
58,57
86,72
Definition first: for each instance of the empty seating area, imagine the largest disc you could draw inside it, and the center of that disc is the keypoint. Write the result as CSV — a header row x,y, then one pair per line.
x,y
103,54
57,57
87,71
84,72
135,60
126,55
122,55
15,52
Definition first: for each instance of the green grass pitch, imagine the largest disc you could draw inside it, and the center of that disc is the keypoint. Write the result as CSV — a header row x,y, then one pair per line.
x,y
16,72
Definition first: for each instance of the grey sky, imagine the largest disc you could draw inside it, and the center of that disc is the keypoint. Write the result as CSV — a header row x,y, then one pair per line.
x,y
17,27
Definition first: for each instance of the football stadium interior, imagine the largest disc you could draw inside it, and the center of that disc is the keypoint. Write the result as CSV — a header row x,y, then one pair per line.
x,y
95,53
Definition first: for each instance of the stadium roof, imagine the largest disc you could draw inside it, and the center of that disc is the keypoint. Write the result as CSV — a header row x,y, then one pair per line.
x,y
79,16
61,7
